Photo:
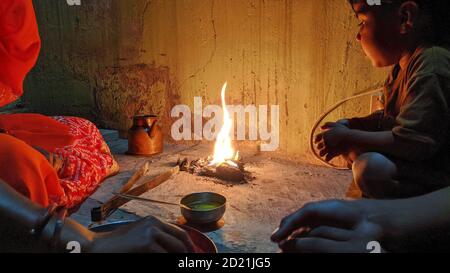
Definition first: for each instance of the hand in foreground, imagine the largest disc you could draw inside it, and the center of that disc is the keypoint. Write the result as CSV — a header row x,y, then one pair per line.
x,y
327,227
147,235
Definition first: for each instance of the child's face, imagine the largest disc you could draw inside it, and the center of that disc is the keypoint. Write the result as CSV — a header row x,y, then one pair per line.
x,y
379,34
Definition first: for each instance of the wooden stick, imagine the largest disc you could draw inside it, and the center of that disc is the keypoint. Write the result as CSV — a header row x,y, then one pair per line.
x,y
97,213
100,213
136,176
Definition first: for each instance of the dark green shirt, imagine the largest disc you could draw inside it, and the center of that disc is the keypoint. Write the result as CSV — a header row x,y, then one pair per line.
x,y
416,108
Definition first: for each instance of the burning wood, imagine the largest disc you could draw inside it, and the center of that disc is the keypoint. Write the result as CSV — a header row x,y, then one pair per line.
x,y
225,163
227,172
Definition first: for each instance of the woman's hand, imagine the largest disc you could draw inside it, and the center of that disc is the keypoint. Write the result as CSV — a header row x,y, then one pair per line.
x,y
329,226
333,136
148,235
55,160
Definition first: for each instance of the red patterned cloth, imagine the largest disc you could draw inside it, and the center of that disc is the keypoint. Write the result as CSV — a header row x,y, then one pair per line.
x,y
86,158
86,162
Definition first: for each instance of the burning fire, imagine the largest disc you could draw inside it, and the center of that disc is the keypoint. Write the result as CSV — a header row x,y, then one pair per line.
x,y
223,148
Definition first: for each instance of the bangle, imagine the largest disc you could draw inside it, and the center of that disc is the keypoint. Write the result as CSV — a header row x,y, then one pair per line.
x,y
61,217
42,221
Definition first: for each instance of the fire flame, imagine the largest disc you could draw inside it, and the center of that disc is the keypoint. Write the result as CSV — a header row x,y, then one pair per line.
x,y
223,148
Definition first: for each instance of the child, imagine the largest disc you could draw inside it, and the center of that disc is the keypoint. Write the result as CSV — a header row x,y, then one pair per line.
x,y
404,150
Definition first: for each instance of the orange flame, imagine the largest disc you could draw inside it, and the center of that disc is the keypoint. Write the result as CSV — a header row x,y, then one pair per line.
x,y
223,148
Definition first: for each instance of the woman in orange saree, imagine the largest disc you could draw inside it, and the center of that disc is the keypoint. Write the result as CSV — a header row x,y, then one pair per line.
x,y
31,143
30,177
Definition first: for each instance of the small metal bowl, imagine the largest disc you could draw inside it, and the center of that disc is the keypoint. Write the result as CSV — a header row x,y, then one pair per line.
x,y
203,207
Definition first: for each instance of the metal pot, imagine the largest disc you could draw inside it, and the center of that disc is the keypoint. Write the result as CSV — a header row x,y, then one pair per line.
x,y
203,207
145,137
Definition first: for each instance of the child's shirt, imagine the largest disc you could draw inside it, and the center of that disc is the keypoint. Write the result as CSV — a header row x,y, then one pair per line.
x,y
416,107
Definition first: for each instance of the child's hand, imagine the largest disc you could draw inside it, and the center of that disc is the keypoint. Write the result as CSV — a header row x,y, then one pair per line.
x,y
344,122
333,134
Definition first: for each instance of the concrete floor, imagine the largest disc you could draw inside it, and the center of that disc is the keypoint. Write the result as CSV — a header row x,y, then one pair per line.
x,y
254,209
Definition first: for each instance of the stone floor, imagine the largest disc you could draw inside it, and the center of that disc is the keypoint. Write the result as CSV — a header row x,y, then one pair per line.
x,y
254,209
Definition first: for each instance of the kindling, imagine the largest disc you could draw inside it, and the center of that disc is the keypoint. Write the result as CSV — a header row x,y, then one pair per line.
x,y
257,123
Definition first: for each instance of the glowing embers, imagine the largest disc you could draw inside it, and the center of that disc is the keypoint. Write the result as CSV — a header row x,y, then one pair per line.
x,y
228,171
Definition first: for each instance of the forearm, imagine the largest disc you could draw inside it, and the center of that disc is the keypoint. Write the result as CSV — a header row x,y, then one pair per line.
x,y
72,231
387,143
419,222
16,207
382,142
21,215
367,123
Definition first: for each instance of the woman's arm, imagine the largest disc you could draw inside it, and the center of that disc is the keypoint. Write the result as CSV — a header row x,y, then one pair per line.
x,y
18,217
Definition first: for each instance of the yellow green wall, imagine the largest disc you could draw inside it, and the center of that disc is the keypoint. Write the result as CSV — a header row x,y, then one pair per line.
x,y
110,59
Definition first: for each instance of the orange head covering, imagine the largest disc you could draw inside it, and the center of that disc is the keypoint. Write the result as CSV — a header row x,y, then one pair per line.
x,y
19,46
21,166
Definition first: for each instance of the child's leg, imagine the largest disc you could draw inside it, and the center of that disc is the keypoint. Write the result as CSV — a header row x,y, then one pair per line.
x,y
374,174
380,177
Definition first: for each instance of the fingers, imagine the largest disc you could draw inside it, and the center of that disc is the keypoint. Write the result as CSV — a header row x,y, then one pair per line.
x,y
324,151
321,145
331,233
313,245
344,122
329,213
327,152
177,234
181,235
170,243
156,248
291,223
319,137
331,155
328,125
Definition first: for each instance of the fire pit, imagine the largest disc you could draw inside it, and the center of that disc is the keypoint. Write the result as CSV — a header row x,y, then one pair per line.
x,y
225,164
233,173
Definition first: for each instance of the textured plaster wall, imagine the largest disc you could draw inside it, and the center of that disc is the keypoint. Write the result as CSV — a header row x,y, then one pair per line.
x,y
110,59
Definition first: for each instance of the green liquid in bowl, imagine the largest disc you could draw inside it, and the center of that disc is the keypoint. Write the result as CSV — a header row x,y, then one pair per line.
x,y
204,206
